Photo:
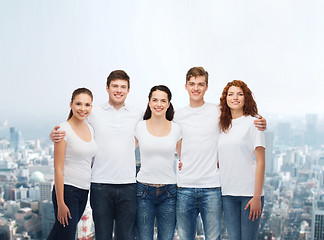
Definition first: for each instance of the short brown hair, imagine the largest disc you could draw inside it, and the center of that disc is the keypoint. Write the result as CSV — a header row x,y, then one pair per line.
x,y
197,72
118,74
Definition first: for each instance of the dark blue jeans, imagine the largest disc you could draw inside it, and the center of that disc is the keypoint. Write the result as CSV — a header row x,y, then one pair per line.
x,y
111,202
238,224
159,203
76,200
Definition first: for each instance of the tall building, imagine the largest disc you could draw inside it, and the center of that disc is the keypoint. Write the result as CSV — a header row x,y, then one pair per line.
x,y
34,193
29,221
45,190
311,130
318,220
14,139
12,208
290,157
284,133
8,228
48,218
269,152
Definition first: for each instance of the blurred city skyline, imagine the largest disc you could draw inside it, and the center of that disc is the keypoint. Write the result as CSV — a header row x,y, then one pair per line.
x,y
294,183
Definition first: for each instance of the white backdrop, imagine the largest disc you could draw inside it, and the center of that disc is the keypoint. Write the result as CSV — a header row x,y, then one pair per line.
x,y
49,48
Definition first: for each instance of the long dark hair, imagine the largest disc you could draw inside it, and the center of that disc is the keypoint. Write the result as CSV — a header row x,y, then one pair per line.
x,y
170,112
75,93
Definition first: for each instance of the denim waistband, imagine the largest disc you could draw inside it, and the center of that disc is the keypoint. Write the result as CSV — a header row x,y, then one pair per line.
x,y
148,187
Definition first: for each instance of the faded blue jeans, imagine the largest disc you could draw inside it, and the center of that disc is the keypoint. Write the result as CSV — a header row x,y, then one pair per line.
x,y
111,202
191,202
237,222
159,203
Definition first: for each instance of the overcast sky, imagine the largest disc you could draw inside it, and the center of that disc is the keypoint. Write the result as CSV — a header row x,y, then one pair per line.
x,y
50,48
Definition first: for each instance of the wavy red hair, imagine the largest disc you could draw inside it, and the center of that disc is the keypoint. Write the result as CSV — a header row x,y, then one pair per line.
x,y
249,108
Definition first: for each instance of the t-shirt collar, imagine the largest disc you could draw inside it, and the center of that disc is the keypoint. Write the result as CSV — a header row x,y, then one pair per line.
x,y
107,106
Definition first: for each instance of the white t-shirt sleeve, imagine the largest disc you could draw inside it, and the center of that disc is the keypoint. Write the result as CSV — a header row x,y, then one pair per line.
x,y
179,132
64,127
137,130
258,137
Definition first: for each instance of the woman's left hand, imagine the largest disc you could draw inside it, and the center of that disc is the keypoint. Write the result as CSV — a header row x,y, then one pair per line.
x,y
255,207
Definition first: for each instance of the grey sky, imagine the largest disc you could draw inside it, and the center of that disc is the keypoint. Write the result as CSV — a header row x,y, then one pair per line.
x,y
49,48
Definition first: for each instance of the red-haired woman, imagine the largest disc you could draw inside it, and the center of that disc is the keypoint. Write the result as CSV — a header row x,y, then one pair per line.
x,y
241,152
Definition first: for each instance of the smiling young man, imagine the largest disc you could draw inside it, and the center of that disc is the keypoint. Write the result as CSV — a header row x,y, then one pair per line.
x,y
113,184
198,181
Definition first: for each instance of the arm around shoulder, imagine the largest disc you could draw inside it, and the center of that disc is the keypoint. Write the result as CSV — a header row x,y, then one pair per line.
x,y
55,135
260,123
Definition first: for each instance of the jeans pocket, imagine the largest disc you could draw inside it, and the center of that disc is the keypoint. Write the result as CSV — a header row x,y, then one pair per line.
x,y
141,193
141,190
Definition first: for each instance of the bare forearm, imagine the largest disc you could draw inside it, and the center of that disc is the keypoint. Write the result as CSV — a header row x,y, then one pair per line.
x,y
59,186
260,169
59,158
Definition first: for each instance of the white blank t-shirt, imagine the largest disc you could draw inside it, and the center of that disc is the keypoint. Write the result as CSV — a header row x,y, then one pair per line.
x,y
236,156
200,132
157,155
78,157
114,129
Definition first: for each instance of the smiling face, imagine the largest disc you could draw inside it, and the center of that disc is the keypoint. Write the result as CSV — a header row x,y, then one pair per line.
x,y
235,99
117,90
81,106
197,87
159,103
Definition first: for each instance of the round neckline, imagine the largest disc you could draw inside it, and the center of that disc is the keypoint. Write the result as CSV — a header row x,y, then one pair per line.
x,y
197,108
158,136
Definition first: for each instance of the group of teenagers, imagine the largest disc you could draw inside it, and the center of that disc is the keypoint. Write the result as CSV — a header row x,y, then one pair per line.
x,y
221,151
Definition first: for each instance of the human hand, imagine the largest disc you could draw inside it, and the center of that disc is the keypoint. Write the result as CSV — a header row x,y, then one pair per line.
x,y
260,123
56,136
255,208
180,165
63,214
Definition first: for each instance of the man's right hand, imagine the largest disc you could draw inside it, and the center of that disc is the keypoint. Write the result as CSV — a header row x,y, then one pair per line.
x,y
57,136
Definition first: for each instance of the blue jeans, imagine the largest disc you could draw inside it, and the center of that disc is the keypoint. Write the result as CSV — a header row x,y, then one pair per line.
x,y
207,202
76,200
237,222
159,202
111,202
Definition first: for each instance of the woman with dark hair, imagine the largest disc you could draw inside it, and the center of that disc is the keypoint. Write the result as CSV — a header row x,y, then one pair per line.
x,y
241,155
72,167
158,138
